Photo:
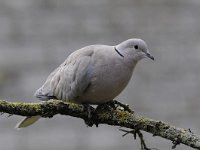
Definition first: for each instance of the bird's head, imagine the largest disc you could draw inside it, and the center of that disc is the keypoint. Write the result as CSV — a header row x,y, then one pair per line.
x,y
135,49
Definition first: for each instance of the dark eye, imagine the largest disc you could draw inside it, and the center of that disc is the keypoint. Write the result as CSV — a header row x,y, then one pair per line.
x,y
136,46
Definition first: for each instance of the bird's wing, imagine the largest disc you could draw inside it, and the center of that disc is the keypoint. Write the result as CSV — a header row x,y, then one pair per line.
x,y
70,79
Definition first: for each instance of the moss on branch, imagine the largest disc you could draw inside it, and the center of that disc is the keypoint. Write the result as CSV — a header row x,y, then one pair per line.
x,y
115,117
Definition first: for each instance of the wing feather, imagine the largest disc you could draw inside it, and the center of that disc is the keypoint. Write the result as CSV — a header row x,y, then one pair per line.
x,y
69,80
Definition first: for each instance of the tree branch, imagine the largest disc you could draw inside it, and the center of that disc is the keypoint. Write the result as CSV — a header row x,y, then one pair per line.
x,y
116,117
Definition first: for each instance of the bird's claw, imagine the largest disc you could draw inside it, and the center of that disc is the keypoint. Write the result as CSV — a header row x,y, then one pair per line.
x,y
89,120
114,105
124,106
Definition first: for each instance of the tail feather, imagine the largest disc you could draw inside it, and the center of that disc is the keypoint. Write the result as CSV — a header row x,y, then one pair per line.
x,y
27,121
44,96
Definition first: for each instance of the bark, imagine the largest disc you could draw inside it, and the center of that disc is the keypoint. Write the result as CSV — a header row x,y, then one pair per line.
x,y
104,115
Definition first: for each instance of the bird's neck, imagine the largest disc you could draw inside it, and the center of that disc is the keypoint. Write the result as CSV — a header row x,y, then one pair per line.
x,y
129,58
118,52
119,49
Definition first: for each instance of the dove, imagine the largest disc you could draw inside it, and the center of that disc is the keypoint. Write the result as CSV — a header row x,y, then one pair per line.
x,y
94,74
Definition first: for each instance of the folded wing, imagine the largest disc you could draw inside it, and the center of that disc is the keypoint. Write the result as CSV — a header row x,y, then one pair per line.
x,y
69,80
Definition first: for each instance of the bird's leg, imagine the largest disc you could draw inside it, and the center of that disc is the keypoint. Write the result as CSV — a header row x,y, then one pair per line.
x,y
115,105
111,105
105,106
87,107
88,120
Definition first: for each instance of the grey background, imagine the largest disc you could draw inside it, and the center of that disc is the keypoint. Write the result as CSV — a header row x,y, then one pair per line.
x,y
37,35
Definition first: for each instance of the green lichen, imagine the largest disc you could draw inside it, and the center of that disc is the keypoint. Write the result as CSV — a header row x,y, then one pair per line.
x,y
122,116
106,116
73,106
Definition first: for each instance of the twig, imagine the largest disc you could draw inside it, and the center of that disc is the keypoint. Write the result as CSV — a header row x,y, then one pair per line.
x,y
136,132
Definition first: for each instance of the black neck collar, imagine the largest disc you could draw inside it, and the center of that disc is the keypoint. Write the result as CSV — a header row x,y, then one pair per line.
x,y
118,52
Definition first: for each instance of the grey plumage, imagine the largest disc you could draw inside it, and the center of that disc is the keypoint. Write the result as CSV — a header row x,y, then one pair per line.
x,y
94,74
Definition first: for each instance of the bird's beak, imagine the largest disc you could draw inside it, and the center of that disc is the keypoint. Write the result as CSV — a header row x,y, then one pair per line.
x,y
150,56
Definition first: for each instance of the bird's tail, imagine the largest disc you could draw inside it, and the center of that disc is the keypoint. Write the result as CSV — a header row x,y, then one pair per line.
x,y
27,121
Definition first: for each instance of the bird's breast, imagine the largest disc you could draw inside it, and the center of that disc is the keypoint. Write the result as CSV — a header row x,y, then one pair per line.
x,y
107,82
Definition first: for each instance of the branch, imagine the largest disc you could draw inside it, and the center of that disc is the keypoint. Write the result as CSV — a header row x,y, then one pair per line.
x,y
115,117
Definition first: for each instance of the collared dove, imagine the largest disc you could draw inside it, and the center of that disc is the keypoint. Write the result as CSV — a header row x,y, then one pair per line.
x,y
94,74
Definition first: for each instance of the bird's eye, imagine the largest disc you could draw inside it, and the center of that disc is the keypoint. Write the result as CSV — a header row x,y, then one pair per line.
x,y
136,46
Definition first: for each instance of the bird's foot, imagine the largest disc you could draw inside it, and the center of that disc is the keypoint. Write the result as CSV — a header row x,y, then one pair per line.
x,y
89,119
124,106
114,105
111,105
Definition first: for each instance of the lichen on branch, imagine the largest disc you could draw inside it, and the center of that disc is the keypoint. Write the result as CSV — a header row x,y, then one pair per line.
x,y
115,117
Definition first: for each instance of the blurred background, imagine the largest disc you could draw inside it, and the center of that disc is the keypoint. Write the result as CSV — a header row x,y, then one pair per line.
x,y
37,36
